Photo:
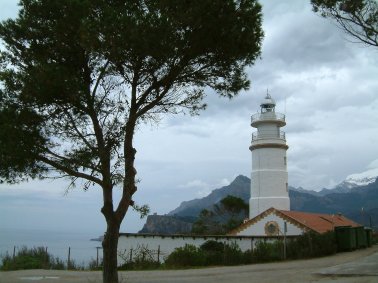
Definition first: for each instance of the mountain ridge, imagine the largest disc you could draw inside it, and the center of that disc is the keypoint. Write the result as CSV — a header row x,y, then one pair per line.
x,y
194,207
343,198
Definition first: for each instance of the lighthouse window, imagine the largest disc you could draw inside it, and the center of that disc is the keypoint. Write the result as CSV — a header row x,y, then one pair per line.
x,y
285,160
287,187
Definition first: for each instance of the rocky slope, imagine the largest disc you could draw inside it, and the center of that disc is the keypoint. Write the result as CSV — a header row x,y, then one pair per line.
x,y
239,188
165,224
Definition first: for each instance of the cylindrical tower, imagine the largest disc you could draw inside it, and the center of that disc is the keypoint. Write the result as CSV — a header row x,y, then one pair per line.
x,y
269,178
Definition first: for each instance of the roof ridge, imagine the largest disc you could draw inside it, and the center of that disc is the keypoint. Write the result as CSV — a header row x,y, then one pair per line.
x,y
251,221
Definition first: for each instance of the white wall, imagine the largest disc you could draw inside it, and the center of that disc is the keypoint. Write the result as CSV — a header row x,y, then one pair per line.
x,y
269,181
167,244
258,229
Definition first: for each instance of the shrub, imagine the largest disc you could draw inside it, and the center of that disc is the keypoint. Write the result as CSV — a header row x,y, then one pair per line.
x,y
186,256
312,245
213,252
374,238
233,254
210,253
35,258
265,251
140,259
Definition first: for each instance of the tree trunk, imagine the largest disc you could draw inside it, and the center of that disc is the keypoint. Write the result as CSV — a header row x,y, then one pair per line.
x,y
109,245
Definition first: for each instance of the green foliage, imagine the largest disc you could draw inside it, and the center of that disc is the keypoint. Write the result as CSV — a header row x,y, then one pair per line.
x,y
77,78
207,223
85,69
374,238
234,204
233,254
312,245
267,251
358,18
143,210
186,256
224,217
211,253
215,253
35,258
27,259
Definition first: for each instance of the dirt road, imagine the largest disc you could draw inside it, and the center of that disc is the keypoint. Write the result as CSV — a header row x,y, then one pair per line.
x,y
358,266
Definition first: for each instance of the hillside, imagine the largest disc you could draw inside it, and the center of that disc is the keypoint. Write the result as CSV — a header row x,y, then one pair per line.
x,y
348,200
239,188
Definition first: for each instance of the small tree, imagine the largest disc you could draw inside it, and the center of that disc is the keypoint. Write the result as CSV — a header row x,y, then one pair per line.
x,y
207,224
222,218
358,18
78,77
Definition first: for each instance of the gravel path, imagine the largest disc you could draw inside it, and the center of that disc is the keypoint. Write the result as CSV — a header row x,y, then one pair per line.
x,y
359,266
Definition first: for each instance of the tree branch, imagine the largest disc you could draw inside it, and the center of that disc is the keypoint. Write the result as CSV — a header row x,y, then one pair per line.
x,y
69,171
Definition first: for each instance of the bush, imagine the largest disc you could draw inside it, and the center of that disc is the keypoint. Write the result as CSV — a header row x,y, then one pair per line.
x,y
35,258
186,256
208,254
213,252
265,251
233,254
141,258
374,238
312,245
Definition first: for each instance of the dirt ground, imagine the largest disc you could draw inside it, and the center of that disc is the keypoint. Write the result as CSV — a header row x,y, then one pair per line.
x,y
359,266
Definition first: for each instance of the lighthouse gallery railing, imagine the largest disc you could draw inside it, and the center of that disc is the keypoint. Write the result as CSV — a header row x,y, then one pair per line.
x,y
275,135
268,116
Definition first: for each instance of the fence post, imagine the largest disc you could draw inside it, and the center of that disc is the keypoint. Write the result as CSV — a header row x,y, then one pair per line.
x,y
158,259
131,255
97,248
285,230
14,252
224,252
69,258
46,256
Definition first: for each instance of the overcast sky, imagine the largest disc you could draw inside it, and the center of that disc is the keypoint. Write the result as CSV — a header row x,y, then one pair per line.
x,y
326,85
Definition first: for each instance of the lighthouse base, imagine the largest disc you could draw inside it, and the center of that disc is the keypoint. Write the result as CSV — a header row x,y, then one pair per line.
x,y
259,205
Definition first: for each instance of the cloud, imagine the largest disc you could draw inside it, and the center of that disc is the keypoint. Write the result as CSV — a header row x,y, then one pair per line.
x,y
202,188
325,85
373,164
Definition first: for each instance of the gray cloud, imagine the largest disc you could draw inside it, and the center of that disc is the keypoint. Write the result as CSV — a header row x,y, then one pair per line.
x,y
325,85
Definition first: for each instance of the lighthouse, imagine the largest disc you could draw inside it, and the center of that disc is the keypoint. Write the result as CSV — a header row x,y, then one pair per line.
x,y
269,205
269,178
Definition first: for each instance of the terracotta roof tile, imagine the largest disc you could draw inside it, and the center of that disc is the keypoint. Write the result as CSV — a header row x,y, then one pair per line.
x,y
318,222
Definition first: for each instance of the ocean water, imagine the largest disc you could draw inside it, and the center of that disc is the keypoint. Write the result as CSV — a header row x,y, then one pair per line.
x,y
83,250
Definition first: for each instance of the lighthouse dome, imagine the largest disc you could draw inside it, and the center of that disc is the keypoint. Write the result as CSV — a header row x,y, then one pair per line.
x,y
268,104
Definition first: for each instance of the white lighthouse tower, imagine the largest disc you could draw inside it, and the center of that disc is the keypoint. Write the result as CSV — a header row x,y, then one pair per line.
x,y
269,185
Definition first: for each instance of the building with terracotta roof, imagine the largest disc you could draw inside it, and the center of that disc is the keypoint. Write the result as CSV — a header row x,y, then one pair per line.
x,y
272,222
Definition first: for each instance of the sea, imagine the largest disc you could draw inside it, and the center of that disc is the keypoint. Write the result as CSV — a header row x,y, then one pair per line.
x,y
58,243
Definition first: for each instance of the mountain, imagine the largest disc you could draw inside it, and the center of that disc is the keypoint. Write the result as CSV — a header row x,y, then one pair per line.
x,y
238,188
353,181
302,190
164,224
361,179
356,198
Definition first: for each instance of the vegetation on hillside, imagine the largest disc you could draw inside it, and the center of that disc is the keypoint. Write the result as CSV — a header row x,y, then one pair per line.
x,y
224,216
